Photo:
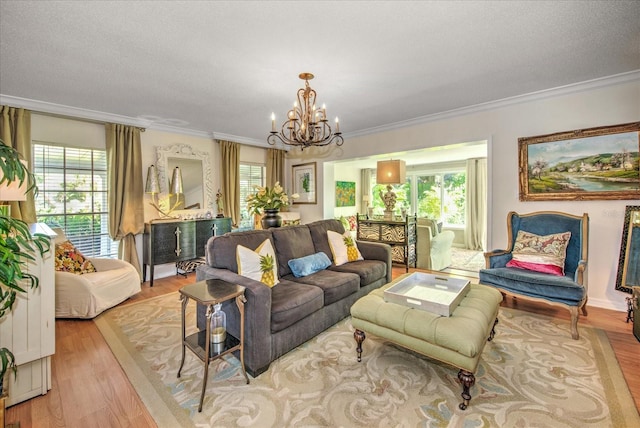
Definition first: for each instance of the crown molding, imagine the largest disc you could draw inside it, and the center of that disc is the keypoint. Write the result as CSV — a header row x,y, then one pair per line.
x,y
491,105
241,140
102,117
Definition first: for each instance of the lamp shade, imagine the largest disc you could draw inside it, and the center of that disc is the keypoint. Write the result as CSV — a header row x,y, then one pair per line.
x,y
153,183
391,172
13,191
176,182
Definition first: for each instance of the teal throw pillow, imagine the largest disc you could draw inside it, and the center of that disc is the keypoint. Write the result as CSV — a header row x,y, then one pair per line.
x,y
307,265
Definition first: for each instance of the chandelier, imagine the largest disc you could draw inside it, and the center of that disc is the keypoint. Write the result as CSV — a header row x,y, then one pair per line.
x,y
306,126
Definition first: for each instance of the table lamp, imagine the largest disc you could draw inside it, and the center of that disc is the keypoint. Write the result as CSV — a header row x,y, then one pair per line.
x,y
390,172
152,187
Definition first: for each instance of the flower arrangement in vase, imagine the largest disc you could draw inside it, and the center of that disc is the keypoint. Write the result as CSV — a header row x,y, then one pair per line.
x,y
269,200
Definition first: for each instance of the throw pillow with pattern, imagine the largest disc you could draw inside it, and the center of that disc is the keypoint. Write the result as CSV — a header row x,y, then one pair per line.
x,y
343,248
259,264
537,253
69,259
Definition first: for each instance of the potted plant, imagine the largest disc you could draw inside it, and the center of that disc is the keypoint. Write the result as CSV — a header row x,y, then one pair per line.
x,y
269,201
17,247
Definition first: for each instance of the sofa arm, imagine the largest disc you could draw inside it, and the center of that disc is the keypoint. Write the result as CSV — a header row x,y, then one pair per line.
x,y
443,241
377,251
257,314
497,258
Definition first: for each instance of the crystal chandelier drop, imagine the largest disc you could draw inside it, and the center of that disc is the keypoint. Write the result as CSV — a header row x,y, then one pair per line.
x,y
306,125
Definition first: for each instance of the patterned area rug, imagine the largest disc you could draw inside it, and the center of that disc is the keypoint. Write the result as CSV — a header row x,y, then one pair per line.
x,y
464,259
532,374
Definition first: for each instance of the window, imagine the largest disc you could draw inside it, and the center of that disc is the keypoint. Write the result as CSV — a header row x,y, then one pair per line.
x,y
250,175
72,194
439,195
442,196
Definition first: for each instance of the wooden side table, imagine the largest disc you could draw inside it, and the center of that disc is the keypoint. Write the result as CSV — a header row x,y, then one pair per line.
x,y
209,293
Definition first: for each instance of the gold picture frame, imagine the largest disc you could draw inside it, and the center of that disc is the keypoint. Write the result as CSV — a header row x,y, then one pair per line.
x,y
304,183
586,164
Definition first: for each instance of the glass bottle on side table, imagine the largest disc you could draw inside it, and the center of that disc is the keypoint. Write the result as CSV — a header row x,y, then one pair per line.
x,y
212,293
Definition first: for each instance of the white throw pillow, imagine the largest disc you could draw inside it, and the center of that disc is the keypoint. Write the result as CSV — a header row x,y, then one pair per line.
x,y
343,247
252,264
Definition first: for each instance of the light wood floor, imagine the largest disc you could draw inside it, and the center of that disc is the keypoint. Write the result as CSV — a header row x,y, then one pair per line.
x,y
91,390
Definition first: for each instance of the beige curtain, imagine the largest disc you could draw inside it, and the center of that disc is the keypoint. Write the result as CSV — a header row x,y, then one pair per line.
x,y
15,131
231,179
475,232
275,167
365,184
125,191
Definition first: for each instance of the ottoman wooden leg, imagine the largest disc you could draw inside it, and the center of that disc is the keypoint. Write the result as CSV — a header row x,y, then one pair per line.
x,y
493,330
467,379
359,336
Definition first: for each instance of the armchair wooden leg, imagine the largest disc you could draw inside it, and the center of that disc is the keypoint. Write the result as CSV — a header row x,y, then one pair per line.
x,y
574,322
584,306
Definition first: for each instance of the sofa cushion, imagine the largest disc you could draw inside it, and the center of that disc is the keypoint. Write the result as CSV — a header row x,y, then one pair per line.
x,y
369,271
291,302
69,259
544,254
221,250
335,285
254,263
560,289
307,265
319,230
290,243
343,248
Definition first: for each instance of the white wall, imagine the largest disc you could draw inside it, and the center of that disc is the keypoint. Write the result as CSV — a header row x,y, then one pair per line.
x,y
502,126
345,174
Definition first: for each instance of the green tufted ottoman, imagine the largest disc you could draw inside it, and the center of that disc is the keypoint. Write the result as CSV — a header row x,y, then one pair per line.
x,y
457,340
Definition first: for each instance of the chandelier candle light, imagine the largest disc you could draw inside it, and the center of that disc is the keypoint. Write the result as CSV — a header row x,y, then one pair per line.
x,y
306,126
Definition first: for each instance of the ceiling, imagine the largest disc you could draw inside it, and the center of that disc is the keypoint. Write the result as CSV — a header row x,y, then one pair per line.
x,y
220,68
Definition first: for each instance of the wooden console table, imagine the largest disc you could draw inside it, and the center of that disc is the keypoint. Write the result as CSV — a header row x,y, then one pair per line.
x,y
400,234
174,241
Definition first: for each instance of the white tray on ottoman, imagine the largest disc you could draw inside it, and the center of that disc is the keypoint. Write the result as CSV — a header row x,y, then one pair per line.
x,y
438,294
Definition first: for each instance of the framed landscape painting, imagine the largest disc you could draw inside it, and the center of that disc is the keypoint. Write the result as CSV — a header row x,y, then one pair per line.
x,y
304,183
586,164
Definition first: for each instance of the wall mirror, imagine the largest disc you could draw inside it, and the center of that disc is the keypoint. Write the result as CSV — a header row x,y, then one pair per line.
x,y
629,262
195,167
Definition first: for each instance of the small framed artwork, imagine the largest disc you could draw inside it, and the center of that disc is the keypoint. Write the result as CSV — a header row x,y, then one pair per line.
x,y
345,193
304,183
587,164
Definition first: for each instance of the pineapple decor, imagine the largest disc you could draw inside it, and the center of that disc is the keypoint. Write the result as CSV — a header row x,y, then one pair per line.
x,y
259,264
266,266
343,247
352,251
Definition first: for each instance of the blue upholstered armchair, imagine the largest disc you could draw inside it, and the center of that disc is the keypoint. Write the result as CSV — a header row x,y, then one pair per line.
x,y
566,289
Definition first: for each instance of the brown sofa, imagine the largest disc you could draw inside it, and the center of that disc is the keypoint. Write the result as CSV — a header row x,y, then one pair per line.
x,y
279,319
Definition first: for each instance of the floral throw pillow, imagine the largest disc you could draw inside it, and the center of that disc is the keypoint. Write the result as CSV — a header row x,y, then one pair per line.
x,y
544,254
70,259
260,264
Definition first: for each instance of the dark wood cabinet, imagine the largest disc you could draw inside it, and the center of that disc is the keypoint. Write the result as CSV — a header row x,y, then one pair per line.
x,y
175,241
399,234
